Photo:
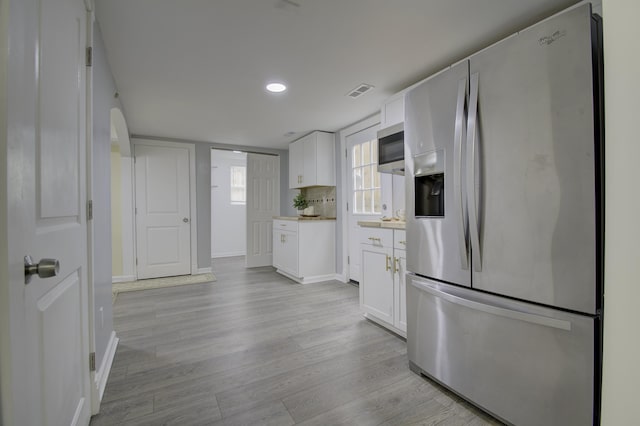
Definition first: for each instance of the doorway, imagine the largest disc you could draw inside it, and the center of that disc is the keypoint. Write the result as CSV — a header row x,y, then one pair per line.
x,y
123,266
228,203
366,195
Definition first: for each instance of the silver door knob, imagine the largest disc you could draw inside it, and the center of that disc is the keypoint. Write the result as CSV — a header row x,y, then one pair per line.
x,y
44,269
185,220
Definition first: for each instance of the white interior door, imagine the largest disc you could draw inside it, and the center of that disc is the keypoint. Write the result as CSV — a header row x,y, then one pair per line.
x,y
368,192
163,205
45,367
263,203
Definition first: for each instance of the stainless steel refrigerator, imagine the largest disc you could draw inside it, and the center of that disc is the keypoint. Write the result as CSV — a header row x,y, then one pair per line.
x,y
504,224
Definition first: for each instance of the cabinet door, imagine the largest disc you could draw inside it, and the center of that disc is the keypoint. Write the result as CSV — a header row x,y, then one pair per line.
x,y
376,282
277,248
400,288
392,111
296,163
325,159
290,253
309,161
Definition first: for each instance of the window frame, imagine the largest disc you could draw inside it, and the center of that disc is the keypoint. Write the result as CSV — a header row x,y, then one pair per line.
x,y
234,185
372,165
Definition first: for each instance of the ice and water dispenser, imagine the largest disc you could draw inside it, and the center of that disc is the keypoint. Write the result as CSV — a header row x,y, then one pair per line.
x,y
429,184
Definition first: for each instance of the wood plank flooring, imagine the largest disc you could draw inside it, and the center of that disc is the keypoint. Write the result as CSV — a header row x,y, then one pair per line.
x,y
255,348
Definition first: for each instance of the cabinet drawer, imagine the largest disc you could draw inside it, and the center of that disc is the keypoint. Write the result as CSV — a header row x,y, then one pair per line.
x,y
376,236
285,225
400,239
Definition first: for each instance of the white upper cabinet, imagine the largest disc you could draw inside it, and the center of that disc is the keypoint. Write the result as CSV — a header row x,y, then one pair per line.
x,y
312,161
296,163
392,110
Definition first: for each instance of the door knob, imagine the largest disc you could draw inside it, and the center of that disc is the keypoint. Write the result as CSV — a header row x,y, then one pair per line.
x,y
44,269
185,220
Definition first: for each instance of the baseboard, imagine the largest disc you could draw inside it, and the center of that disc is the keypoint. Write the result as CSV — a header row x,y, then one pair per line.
x,y
229,254
385,324
307,280
105,367
122,278
342,278
205,270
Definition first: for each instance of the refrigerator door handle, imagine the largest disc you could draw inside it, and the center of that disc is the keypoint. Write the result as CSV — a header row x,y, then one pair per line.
x,y
492,309
461,215
472,204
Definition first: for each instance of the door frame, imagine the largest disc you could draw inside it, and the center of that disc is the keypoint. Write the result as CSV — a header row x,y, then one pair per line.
x,y
94,380
344,133
192,195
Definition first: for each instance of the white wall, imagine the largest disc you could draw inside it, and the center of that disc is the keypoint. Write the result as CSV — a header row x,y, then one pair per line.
x,y
621,371
228,221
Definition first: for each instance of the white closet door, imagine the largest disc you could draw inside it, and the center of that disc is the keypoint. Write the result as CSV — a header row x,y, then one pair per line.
x,y
163,219
263,203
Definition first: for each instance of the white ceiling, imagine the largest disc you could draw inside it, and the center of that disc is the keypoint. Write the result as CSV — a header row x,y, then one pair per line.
x,y
196,69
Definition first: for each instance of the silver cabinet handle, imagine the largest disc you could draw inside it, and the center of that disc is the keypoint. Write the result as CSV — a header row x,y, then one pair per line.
x,y
44,269
185,219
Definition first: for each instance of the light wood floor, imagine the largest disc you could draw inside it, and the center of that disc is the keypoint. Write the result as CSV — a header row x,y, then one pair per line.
x,y
254,348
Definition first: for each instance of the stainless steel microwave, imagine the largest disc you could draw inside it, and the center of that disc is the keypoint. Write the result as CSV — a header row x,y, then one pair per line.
x,y
391,149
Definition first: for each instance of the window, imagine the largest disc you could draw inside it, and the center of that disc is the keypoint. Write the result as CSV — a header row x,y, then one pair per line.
x,y
366,179
238,184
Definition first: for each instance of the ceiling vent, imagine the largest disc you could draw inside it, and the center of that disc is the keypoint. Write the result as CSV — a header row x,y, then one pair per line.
x,y
360,90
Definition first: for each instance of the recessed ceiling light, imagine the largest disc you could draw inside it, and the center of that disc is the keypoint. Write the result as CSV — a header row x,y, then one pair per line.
x,y
276,87
237,152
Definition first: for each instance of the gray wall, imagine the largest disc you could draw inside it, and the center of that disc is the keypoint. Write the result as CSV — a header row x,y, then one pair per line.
x,y
286,195
104,89
203,188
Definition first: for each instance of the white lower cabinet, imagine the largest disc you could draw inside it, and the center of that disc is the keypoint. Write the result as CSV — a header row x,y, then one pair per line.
x,y
285,251
305,250
382,281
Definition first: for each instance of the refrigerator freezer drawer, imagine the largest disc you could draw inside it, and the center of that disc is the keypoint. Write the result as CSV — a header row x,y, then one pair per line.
x,y
525,364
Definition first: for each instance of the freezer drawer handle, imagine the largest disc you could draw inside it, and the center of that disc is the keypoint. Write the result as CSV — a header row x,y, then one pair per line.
x,y
494,310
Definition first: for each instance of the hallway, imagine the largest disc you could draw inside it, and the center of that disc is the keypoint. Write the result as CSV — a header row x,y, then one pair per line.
x,y
254,348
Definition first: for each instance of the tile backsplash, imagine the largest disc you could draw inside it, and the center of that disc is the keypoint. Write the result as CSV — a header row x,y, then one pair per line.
x,y
322,198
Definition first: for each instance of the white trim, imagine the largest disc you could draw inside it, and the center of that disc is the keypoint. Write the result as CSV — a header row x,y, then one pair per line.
x,y
204,270
192,191
348,131
122,278
76,416
386,325
341,277
90,346
105,367
229,254
307,280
